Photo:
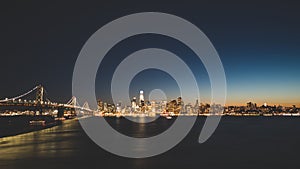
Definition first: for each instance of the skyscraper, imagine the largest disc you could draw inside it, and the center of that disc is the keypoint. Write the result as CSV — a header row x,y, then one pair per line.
x,y
119,107
100,105
133,103
179,101
142,101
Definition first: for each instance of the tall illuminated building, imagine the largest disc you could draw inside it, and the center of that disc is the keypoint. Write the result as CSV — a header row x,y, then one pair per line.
x,y
180,104
133,103
119,107
100,105
153,106
179,101
142,101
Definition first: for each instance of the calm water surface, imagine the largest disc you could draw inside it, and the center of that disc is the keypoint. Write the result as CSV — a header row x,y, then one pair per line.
x,y
239,142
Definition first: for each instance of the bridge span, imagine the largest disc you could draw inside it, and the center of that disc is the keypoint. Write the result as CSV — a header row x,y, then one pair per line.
x,y
41,105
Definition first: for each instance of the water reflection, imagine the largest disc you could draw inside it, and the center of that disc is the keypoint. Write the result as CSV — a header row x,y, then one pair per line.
x,y
235,142
51,142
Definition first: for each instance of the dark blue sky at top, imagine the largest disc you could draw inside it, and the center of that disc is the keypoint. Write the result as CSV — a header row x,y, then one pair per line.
x,y
258,43
148,80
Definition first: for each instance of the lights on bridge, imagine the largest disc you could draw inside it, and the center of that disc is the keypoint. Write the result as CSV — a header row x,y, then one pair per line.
x,y
44,105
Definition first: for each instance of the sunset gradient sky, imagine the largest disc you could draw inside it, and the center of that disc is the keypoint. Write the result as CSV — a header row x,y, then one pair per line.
x,y
258,43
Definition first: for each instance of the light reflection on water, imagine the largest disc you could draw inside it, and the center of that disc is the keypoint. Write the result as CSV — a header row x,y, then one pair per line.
x,y
51,142
64,141
236,141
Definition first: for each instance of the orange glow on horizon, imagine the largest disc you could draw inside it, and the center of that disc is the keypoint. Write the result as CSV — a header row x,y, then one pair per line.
x,y
286,104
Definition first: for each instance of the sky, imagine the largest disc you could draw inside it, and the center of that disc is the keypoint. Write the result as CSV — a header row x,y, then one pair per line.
x,y
257,41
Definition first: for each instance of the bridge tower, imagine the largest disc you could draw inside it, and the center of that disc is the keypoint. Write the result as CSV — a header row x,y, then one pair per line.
x,y
39,94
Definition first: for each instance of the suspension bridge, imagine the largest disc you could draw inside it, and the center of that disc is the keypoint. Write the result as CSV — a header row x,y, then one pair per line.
x,y
41,105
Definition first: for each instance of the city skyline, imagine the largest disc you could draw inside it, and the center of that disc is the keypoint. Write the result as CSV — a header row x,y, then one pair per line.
x,y
140,98
150,84
155,106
